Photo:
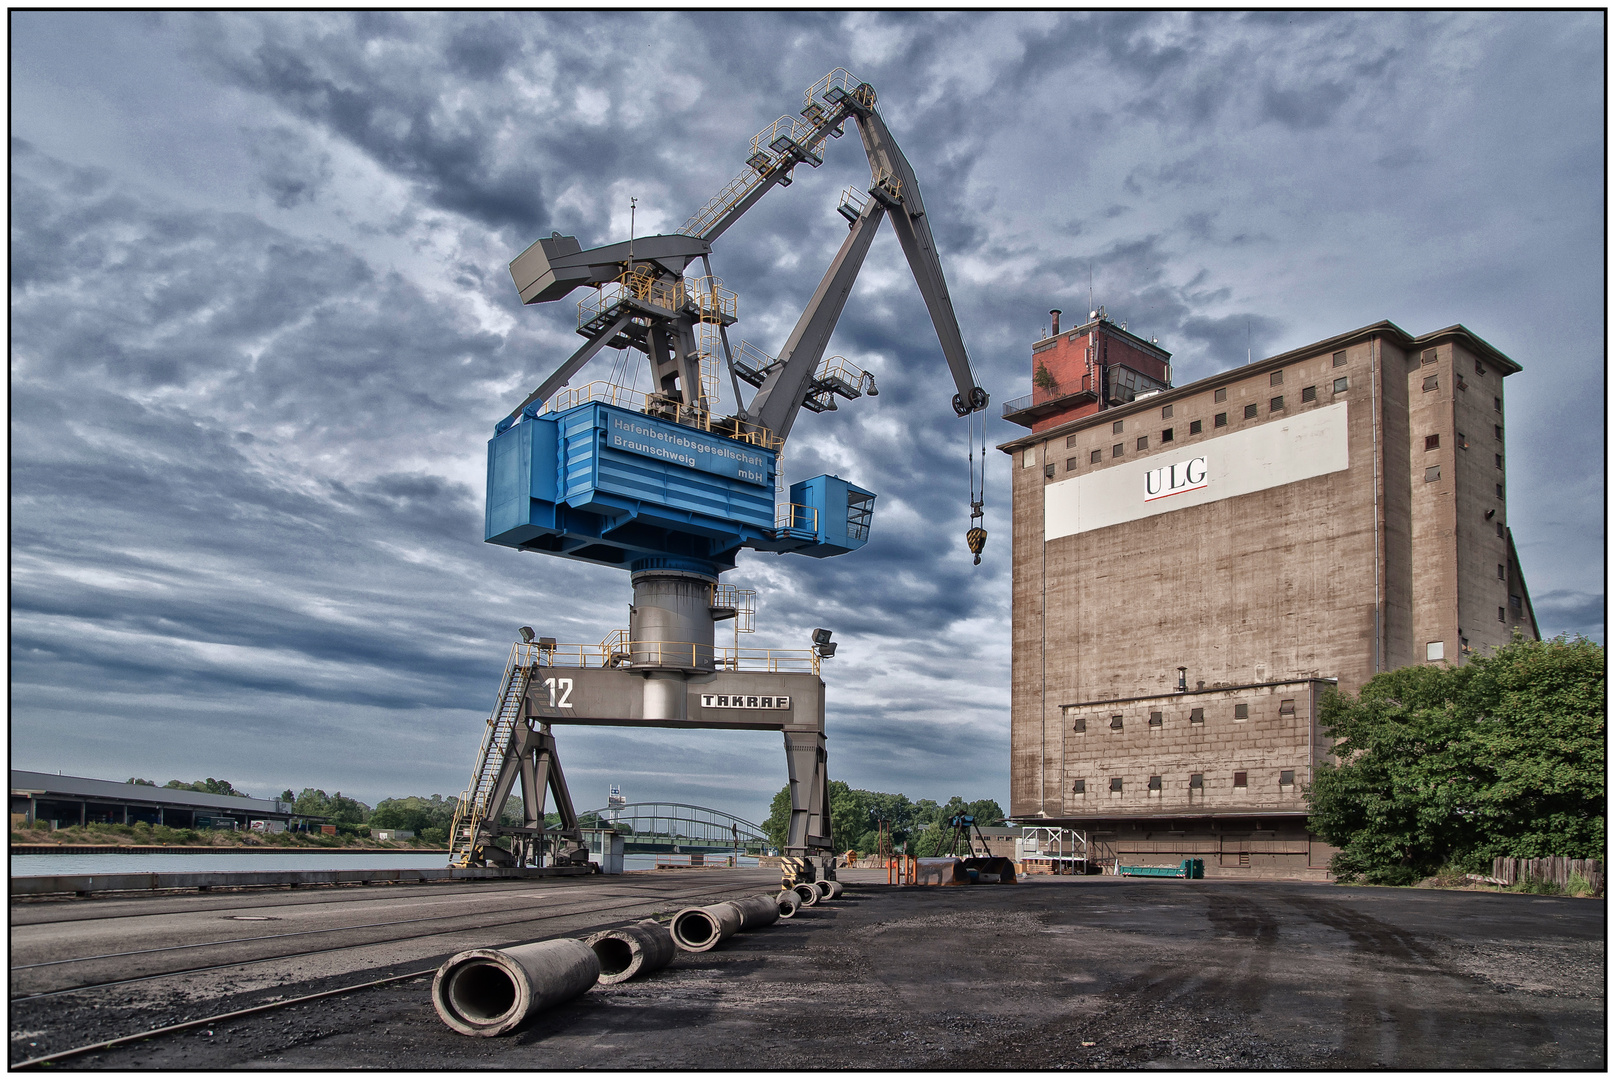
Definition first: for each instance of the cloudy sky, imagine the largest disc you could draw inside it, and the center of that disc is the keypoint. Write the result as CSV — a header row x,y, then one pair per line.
x,y
262,327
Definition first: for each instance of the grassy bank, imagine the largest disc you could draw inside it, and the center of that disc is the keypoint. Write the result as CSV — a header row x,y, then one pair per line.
x,y
143,835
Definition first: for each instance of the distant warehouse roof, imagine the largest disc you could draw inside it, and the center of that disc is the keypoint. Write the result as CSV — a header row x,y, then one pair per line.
x,y
54,786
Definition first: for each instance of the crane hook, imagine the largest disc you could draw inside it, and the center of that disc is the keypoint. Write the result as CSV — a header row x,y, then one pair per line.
x,y
976,537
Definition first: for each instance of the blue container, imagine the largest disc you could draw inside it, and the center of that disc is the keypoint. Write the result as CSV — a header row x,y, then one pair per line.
x,y
611,486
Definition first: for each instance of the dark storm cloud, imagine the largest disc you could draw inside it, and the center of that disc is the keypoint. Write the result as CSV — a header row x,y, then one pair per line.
x,y
250,399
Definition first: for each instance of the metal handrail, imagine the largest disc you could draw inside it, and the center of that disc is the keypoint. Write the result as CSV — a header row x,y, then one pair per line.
x,y
1018,404
796,516
617,651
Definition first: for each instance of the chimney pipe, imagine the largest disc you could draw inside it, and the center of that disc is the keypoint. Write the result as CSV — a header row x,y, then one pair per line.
x,y
1055,315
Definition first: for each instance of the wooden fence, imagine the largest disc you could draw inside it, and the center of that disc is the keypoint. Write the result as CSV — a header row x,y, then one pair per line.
x,y
1555,869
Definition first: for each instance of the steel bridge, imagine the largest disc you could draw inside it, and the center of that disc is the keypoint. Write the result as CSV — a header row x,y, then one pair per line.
x,y
665,827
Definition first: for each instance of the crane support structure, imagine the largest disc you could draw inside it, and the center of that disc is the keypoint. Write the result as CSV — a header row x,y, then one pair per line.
x,y
662,484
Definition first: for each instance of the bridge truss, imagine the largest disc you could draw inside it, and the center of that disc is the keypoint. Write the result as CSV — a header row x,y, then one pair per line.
x,y
660,826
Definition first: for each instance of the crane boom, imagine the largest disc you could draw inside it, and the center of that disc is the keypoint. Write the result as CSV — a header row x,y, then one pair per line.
x,y
573,475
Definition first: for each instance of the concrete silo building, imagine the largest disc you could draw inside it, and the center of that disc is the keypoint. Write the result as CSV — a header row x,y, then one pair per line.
x,y
1194,565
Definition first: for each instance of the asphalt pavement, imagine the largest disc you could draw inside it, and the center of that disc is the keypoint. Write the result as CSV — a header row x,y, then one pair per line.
x,y
1048,973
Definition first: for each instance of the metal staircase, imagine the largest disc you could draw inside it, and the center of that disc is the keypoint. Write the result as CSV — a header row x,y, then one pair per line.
x,y
474,809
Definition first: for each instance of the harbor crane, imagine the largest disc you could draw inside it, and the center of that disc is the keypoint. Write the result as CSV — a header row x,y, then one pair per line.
x,y
661,485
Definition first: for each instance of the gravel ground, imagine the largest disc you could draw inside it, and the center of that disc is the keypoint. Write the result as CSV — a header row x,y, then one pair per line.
x,y
1095,973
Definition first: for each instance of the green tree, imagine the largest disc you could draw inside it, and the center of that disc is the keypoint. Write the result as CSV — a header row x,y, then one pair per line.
x,y
209,786
855,815
1445,765
142,783
337,808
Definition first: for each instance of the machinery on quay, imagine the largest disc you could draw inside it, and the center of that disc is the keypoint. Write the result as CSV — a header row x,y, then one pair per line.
x,y
663,485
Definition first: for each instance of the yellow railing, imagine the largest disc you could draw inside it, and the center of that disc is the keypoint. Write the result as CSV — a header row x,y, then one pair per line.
x,y
607,393
637,284
771,139
837,372
619,652
889,182
731,195
839,79
796,516
604,392
742,601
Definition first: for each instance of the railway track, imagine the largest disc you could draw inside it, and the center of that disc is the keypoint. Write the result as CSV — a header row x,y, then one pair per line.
x,y
566,903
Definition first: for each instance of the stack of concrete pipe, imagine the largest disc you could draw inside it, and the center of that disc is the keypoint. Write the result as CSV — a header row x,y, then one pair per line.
x,y
491,992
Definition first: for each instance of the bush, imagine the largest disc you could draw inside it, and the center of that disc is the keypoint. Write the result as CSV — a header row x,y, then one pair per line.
x,y
1444,765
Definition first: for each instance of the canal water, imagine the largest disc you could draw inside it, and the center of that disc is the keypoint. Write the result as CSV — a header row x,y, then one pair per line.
x,y
313,859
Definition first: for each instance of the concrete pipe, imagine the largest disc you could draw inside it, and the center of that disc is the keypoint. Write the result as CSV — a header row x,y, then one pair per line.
x,y
495,991
823,887
787,902
756,911
636,949
836,889
698,929
806,894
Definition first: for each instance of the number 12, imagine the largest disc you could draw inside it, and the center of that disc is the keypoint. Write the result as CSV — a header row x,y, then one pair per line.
x,y
565,688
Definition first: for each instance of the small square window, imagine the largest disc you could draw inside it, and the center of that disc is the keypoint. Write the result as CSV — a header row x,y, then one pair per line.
x,y
1070,441
1155,783
1499,491
1166,435
1115,723
1497,404
1427,357
1070,464
1095,457
1514,601
1500,530
1166,412
1432,473
1500,616
1115,783
1432,442
1340,359
1079,787
1309,393
1118,450
1143,442
1499,459
1276,379
1287,707
1250,412
1435,650
1461,384
1028,459
1048,470
1196,427
1197,716
1463,441
1242,712
1080,725
1286,778
1155,719
1197,781
1432,382
1275,404
1220,395
1220,420
1479,369
1239,779
1497,432
1116,428
1340,385
1502,572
